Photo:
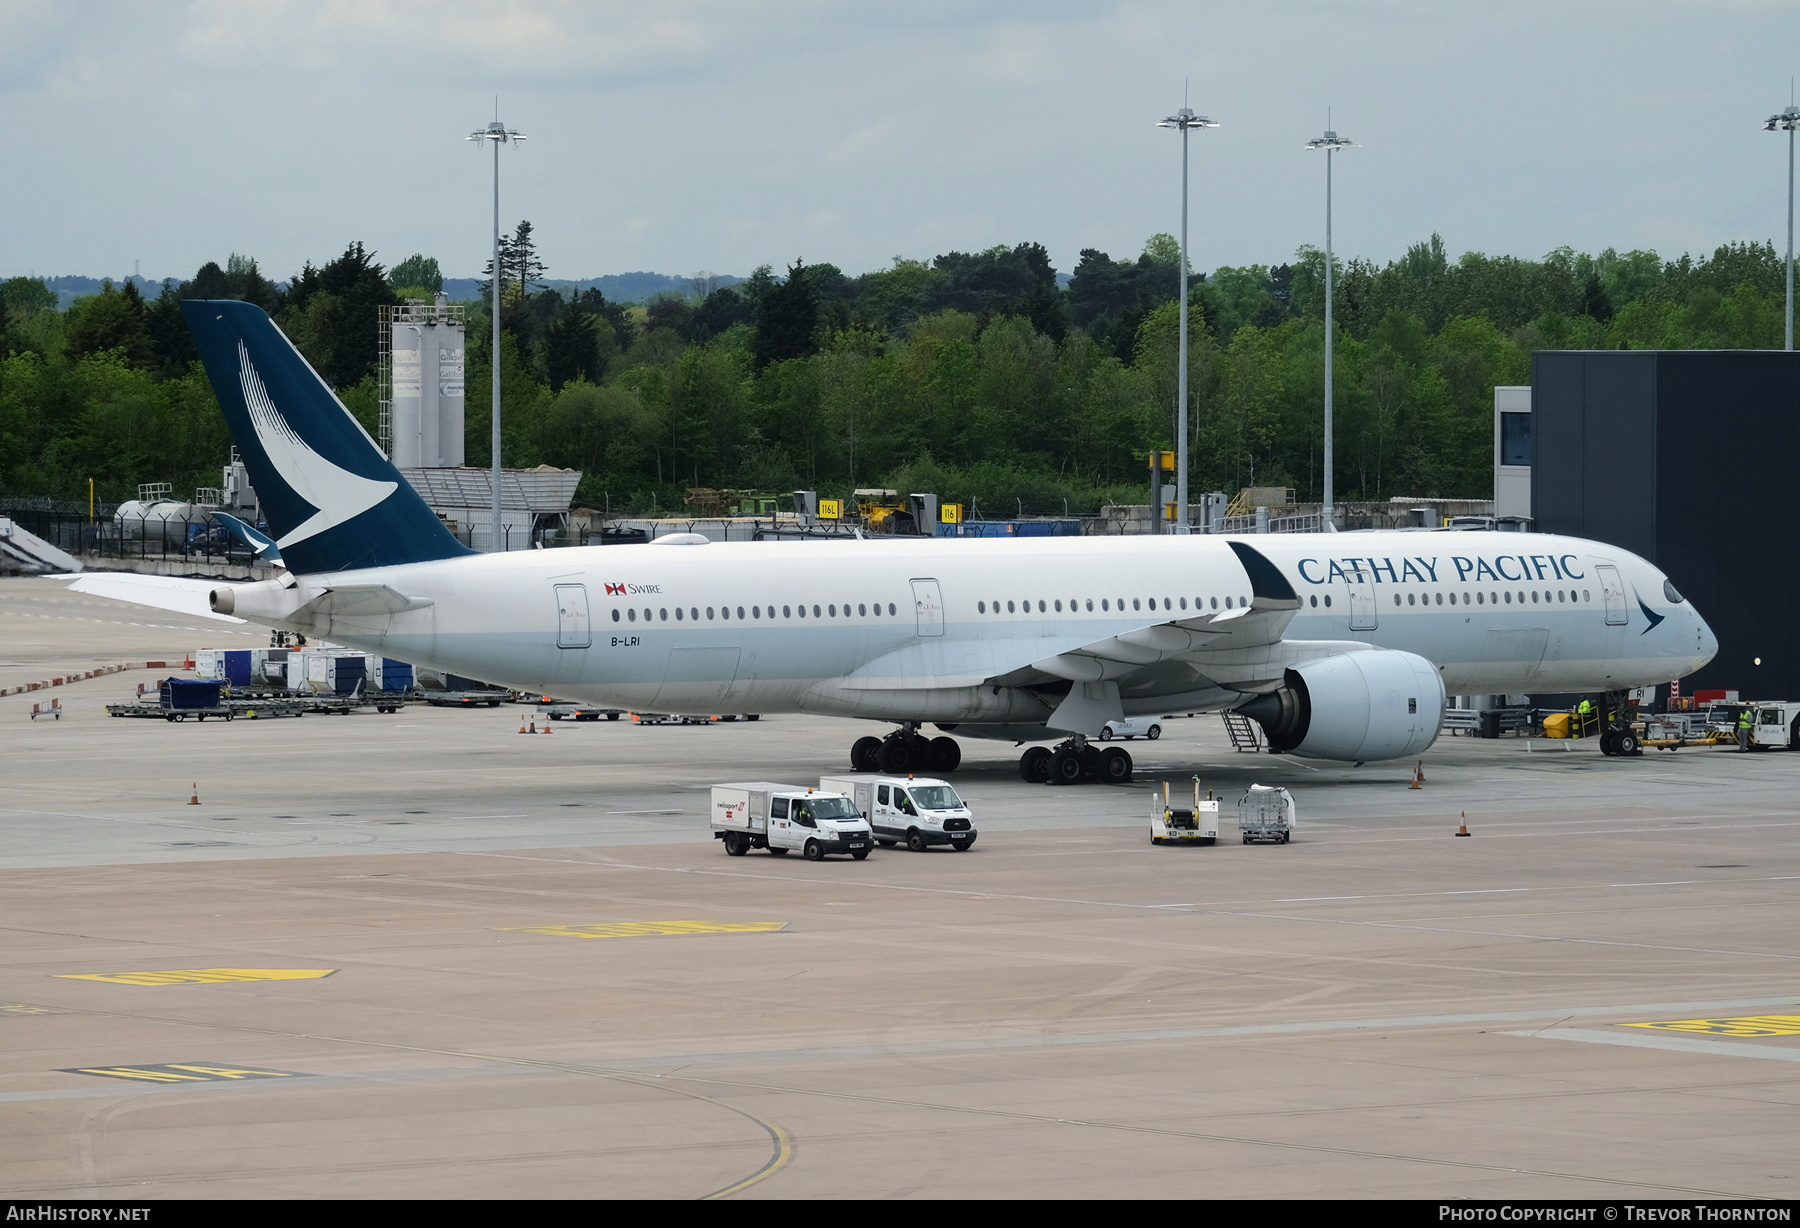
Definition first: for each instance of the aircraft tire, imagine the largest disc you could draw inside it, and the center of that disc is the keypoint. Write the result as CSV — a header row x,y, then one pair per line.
x,y
1608,742
1115,766
943,755
865,754
1034,765
1626,744
1065,767
898,755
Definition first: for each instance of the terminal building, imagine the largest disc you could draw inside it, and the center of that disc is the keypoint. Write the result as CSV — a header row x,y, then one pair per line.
x,y
1689,458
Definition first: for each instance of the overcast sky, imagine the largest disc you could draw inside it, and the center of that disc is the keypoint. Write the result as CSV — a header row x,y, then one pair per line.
x,y
679,137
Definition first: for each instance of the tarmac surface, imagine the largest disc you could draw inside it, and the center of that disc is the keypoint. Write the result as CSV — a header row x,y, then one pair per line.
x,y
517,966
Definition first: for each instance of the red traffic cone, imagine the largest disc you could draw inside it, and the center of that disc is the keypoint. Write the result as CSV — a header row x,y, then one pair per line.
x,y
1464,829
194,800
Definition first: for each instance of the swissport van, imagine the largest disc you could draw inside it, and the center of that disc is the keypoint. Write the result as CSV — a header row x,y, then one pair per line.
x,y
917,811
761,814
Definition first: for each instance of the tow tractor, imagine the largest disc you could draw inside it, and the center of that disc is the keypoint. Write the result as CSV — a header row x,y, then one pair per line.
x,y
1197,824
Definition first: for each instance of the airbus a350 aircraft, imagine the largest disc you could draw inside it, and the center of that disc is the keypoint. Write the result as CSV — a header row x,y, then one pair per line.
x,y
1342,646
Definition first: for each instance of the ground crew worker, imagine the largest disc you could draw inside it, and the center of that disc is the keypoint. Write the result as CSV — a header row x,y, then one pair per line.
x,y
1744,729
1583,711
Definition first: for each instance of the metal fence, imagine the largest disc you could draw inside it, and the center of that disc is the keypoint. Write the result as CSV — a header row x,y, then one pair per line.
x,y
191,538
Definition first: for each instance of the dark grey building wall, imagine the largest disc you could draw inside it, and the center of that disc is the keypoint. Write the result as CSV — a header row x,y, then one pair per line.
x,y
1690,458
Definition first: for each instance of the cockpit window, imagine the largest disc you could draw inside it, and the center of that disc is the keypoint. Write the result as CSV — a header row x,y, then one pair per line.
x,y
1669,592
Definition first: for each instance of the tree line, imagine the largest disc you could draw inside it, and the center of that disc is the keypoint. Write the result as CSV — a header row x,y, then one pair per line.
x,y
978,375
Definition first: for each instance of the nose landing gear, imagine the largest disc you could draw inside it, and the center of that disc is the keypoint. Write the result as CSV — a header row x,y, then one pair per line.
x,y
1074,761
905,750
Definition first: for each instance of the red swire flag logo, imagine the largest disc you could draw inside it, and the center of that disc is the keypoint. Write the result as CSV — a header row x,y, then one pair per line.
x,y
615,590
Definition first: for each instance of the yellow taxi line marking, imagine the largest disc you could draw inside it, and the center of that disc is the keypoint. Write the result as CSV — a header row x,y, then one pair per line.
x,y
1749,1025
201,976
184,1072
649,929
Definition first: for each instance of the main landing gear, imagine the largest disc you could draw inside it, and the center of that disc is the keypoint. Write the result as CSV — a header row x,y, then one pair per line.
x,y
905,750
1073,761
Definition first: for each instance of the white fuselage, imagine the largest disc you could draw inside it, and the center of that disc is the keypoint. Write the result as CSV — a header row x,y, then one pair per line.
x,y
923,629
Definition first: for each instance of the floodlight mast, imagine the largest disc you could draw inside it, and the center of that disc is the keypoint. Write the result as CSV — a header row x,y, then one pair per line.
x,y
1787,121
496,134
1331,142
1183,120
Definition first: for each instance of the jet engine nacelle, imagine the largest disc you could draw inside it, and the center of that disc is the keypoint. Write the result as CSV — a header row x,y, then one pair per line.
x,y
1356,706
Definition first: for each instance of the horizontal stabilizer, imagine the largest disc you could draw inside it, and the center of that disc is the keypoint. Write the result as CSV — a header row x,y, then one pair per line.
x,y
180,594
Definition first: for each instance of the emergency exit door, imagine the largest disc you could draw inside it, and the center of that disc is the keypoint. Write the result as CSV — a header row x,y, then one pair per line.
x,y
572,616
928,605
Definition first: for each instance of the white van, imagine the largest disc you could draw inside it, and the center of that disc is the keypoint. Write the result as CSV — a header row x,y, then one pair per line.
x,y
761,814
921,811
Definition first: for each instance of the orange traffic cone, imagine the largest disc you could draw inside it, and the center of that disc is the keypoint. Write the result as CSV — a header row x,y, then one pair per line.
x,y
1464,829
195,799
1416,779
521,726
1421,771
533,728
546,726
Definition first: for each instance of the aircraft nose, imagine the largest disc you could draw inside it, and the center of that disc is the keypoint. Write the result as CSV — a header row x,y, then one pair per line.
x,y
1708,643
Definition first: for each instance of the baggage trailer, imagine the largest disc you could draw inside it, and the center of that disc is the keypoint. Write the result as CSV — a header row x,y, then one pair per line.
x,y
917,811
557,709
760,814
1266,815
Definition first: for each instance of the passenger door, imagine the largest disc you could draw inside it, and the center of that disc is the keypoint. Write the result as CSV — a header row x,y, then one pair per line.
x,y
572,616
1361,590
781,825
1613,589
928,604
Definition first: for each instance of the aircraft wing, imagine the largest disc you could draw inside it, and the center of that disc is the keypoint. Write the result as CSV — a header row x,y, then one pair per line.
x,y
180,594
1240,644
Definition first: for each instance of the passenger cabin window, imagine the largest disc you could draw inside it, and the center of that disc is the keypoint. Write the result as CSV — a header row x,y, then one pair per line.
x,y
778,808
881,795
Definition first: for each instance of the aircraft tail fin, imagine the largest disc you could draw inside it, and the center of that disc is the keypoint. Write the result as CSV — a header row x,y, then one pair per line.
x,y
332,500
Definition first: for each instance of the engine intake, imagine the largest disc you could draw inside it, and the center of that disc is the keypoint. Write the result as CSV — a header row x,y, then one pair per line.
x,y
1355,706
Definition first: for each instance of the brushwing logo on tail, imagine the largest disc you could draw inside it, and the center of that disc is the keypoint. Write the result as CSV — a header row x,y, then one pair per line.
x,y
336,494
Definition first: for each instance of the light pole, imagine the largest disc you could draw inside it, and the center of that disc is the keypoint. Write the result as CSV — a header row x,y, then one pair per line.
x,y
1184,120
496,134
1331,142
1787,121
